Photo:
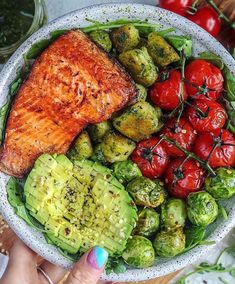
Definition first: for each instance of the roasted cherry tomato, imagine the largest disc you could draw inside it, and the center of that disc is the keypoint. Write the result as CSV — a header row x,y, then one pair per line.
x,y
150,157
203,78
165,93
183,134
206,115
183,177
207,18
218,148
177,6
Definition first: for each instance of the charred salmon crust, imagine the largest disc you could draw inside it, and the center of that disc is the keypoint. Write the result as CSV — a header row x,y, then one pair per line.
x,y
73,83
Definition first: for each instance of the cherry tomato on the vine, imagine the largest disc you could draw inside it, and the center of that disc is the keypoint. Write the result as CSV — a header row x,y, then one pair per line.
x,y
203,79
166,93
208,19
183,177
206,115
182,133
177,6
150,157
217,148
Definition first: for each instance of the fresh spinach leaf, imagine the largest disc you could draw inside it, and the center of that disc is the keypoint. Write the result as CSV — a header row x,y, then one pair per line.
x,y
181,43
15,198
229,84
213,58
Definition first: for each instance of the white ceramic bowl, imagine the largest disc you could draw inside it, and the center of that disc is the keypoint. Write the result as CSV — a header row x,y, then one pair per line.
x,y
202,41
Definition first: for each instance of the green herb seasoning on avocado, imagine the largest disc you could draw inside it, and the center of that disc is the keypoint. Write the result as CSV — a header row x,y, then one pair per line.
x,y
16,17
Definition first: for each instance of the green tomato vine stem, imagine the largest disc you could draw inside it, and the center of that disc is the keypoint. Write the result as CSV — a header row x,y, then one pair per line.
x,y
204,164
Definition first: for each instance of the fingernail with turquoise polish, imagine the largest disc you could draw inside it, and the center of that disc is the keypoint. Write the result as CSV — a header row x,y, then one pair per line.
x,y
97,257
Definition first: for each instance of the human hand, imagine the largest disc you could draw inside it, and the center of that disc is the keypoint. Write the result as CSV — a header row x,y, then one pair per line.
x,y
22,268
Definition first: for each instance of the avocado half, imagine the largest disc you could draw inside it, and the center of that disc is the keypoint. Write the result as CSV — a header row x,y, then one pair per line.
x,y
80,204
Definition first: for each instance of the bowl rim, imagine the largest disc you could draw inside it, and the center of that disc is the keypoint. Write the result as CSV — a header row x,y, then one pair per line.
x,y
31,237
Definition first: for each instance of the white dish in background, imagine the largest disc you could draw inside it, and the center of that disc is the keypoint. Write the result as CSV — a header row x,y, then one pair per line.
x,y
201,41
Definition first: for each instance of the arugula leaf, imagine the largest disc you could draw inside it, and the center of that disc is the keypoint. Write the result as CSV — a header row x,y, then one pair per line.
x,y
194,236
181,43
223,212
213,58
37,48
165,32
15,198
115,265
55,34
229,84
116,24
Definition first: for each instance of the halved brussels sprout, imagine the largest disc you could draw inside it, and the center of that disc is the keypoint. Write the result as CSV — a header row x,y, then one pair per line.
x,y
139,252
97,131
146,192
222,186
161,51
148,223
126,171
116,148
82,148
139,121
140,65
102,38
125,38
202,208
169,243
173,213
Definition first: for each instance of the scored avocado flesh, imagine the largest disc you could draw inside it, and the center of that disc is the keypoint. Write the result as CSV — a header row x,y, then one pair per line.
x,y
80,204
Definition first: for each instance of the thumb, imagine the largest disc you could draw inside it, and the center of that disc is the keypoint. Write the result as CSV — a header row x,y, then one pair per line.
x,y
89,268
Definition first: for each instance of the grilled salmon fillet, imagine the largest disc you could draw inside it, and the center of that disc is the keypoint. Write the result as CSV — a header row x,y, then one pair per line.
x,y
72,84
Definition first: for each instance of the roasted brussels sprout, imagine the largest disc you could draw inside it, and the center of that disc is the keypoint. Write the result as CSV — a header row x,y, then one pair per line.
x,y
82,148
146,192
98,155
139,252
141,93
222,186
202,208
139,121
102,39
161,52
148,223
97,131
126,171
169,243
173,213
125,38
140,65
116,148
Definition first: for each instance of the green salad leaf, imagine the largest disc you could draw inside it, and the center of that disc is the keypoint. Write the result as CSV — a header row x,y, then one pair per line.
x,y
4,110
37,48
181,43
194,236
15,197
229,84
116,24
115,265
213,58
